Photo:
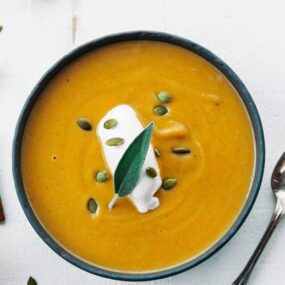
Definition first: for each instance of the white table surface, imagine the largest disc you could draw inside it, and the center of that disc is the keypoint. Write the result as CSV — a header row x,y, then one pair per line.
x,y
248,35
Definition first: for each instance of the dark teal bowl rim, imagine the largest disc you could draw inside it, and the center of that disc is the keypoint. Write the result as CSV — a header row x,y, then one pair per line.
x,y
101,42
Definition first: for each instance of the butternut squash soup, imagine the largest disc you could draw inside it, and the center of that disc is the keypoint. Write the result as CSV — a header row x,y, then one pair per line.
x,y
191,181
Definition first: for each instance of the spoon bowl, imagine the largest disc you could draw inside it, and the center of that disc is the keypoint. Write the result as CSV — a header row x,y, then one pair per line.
x,y
278,175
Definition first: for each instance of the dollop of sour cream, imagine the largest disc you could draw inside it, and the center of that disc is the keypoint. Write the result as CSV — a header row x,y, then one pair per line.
x,y
128,128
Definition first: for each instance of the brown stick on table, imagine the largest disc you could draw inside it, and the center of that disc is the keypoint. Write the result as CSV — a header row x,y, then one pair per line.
x,y
2,216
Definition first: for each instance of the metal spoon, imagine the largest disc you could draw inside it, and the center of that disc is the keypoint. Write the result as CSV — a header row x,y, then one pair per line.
x,y
278,188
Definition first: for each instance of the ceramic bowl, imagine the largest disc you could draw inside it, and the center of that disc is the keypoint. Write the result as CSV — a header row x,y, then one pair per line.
x,y
121,37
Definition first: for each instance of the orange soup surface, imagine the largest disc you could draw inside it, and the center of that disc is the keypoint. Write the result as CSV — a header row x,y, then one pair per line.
x,y
60,160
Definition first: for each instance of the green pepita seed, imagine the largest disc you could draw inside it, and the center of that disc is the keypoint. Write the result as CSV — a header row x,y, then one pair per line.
x,y
160,110
164,97
151,172
111,123
102,176
181,150
169,183
32,281
92,206
1,28
115,141
157,152
84,124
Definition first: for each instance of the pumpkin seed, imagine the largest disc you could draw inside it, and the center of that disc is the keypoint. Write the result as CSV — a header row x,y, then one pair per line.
x,y
32,281
151,172
169,183
92,206
1,28
115,141
102,176
157,152
160,110
164,97
181,150
111,123
84,124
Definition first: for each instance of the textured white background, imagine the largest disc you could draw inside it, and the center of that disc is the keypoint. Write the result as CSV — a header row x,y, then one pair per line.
x,y
248,35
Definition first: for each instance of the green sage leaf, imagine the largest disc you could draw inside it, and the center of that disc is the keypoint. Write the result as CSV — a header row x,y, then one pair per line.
x,y
129,168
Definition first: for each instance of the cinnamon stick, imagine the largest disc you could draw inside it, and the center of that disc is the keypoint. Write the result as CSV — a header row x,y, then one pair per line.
x,y
2,216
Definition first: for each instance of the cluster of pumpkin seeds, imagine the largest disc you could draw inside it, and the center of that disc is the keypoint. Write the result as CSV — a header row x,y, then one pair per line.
x,y
102,175
110,124
165,97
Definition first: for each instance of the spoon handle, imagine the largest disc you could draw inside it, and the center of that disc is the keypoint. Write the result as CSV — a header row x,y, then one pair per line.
x,y
244,275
